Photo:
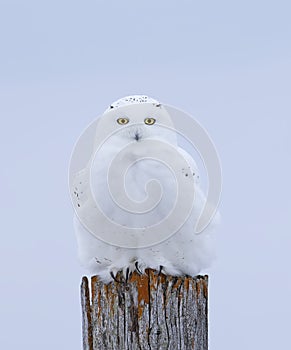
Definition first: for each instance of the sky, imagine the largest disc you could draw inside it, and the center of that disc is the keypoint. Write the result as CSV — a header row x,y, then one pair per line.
x,y
228,64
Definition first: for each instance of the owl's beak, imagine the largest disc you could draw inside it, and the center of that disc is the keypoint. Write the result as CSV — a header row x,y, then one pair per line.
x,y
136,136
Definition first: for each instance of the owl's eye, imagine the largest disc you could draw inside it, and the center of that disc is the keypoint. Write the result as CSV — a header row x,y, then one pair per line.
x,y
150,121
122,121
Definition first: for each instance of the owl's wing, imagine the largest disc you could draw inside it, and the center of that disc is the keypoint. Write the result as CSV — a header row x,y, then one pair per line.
x,y
80,187
192,170
200,196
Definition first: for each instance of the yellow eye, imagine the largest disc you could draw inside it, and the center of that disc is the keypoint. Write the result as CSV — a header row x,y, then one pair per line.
x,y
122,121
150,121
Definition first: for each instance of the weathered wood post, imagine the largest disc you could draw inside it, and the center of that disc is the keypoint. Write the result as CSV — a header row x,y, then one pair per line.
x,y
150,311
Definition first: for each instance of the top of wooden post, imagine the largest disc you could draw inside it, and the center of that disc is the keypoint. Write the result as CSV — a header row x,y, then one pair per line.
x,y
150,311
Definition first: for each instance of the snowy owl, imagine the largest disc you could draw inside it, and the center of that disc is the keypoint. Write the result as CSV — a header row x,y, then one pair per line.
x,y
126,138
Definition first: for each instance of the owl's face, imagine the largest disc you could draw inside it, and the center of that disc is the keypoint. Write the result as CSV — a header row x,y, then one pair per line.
x,y
135,123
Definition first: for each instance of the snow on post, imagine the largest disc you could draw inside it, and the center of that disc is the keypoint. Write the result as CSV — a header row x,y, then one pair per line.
x,y
150,311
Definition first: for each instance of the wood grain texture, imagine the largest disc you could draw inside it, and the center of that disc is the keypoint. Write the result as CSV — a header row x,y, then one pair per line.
x,y
149,312
86,315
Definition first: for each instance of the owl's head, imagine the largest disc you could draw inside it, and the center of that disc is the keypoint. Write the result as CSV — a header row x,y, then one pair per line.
x,y
133,99
135,118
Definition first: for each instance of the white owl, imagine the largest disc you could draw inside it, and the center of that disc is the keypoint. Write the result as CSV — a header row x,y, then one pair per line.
x,y
183,252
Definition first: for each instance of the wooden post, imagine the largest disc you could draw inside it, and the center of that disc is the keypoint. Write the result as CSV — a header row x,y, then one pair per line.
x,y
150,311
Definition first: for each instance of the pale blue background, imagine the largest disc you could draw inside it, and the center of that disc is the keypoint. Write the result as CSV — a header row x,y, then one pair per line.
x,y
226,62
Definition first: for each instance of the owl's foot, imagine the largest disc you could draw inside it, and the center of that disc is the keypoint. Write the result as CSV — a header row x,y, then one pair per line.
x,y
127,275
123,275
114,277
137,268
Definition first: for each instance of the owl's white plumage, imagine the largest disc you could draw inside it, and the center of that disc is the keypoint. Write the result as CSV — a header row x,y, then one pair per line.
x,y
184,252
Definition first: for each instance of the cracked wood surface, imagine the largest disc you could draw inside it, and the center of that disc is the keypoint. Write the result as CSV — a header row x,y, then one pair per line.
x,y
149,312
